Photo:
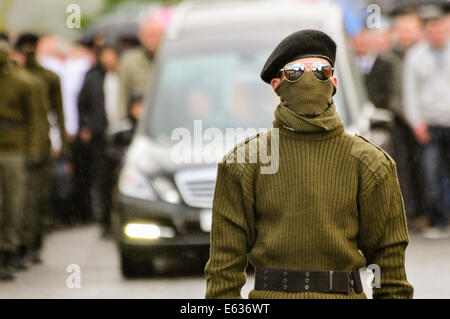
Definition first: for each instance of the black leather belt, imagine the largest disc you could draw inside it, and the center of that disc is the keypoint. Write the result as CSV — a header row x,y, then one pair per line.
x,y
308,280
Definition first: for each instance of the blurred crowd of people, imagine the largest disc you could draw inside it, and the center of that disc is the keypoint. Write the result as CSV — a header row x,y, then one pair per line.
x,y
57,159
406,67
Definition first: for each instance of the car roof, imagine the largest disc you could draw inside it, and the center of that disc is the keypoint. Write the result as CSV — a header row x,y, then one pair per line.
x,y
195,16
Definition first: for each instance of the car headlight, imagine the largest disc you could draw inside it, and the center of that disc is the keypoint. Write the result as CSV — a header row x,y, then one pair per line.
x,y
134,183
148,231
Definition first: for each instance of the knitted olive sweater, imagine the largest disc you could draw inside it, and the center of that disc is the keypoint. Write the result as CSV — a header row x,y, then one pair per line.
x,y
333,204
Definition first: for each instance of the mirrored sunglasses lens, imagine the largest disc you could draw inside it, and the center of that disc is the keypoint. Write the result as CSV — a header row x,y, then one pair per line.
x,y
294,72
322,71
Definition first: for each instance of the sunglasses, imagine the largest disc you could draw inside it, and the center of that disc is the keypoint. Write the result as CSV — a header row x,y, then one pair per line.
x,y
295,70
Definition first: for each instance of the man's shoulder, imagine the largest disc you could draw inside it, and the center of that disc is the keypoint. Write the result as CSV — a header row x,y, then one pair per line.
x,y
417,52
371,156
389,57
21,75
51,76
132,55
26,78
247,150
94,73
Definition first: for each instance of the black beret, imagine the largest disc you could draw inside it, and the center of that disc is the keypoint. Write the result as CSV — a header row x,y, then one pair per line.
x,y
301,44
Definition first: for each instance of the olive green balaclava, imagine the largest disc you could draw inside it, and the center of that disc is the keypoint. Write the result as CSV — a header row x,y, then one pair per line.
x,y
309,96
307,105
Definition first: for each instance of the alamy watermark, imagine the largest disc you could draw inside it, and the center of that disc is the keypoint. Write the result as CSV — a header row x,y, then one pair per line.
x,y
209,146
373,21
73,20
74,279
376,271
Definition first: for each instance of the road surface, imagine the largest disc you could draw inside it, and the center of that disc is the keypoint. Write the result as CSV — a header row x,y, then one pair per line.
x,y
427,264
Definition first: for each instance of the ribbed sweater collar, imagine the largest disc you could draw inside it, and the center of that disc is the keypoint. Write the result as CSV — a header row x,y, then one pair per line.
x,y
291,124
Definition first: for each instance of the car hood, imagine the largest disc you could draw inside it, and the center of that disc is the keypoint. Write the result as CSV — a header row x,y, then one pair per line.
x,y
151,157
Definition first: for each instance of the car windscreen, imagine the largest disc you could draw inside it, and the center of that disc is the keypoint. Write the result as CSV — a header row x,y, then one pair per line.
x,y
216,81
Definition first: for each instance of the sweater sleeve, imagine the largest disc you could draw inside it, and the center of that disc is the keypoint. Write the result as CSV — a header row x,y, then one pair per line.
x,y
383,235
225,270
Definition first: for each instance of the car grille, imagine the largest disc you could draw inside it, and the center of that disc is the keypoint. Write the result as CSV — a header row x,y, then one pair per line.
x,y
196,185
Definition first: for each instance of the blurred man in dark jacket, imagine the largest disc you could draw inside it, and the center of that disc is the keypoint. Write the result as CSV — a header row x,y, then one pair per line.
x,y
385,85
98,106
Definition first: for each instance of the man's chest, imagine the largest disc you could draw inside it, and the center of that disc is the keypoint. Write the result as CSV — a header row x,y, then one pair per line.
x,y
305,187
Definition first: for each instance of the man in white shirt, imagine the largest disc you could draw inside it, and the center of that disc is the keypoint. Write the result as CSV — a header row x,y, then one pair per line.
x,y
111,87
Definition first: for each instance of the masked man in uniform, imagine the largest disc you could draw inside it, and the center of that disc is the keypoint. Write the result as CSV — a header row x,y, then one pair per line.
x,y
332,207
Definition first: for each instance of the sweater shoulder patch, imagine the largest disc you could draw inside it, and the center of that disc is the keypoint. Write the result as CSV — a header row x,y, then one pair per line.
x,y
372,156
245,151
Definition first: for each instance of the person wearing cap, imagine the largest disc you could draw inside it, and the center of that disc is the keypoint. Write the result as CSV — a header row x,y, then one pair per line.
x,y
38,217
426,98
332,207
20,139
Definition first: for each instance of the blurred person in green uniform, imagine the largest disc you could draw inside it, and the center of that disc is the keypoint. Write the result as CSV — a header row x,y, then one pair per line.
x,y
38,210
20,142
